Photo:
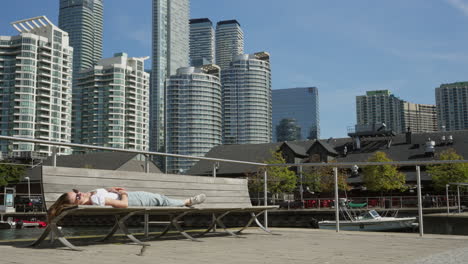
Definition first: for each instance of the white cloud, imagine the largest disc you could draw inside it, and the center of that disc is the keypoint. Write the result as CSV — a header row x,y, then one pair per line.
x,y
460,5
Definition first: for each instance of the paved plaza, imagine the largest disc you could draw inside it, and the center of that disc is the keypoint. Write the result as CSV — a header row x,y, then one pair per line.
x,y
288,245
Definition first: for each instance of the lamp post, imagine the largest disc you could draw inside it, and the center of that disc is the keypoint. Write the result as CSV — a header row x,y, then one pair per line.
x,y
29,187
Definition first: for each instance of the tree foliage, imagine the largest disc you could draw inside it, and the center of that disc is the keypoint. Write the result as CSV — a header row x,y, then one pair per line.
x,y
383,177
322,179
280,178
10,174
445,173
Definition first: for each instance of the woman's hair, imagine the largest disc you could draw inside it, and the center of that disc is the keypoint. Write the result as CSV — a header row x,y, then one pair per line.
x,y
56,209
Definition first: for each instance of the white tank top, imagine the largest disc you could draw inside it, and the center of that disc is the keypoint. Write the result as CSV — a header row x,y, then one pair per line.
x,y
100,195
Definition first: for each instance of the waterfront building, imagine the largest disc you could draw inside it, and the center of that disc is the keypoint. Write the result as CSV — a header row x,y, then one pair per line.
x,y
229,42
452,106
115,109
300,104
170,51
83,20
247,100
194,118
202,46
35,87
398,115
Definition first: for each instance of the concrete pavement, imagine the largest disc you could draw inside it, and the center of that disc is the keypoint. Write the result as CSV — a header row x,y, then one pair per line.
x,y
288,245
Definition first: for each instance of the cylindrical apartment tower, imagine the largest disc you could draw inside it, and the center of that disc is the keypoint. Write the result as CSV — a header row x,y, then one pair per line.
x,y
247,108
193,114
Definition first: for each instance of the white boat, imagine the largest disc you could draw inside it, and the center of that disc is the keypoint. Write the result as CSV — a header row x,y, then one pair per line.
x,y
7,224
371,221
368,220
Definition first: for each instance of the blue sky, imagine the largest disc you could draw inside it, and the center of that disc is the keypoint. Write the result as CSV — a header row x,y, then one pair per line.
x,y
342,47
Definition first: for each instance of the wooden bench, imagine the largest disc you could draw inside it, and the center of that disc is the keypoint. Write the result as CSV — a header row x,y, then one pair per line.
x,y
224,196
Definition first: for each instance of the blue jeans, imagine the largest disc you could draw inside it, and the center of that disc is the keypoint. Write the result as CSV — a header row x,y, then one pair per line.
x,y
152,199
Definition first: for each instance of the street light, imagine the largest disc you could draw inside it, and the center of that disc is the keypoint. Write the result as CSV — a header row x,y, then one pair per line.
x,y
29,187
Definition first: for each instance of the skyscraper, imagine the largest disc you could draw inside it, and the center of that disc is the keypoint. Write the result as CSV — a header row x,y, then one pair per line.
x,y
202,46
300,104
398,115
229,42
194,119
452,106
83,20
115,110
35,82
170,51
247,100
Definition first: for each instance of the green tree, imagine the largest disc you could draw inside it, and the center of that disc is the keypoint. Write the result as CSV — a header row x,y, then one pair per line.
x,y
280,178
322,179
446,173
10,174
383,178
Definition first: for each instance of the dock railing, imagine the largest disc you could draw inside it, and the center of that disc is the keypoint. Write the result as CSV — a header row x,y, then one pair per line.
x,y
335,165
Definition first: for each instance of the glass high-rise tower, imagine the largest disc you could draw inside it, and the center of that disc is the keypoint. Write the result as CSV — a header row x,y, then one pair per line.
x,y
300,104
202,45
247,100
83,20
229,42
170,51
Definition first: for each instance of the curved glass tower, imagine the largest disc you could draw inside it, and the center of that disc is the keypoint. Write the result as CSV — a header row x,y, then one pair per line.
x,y
193,114
83,20
247,111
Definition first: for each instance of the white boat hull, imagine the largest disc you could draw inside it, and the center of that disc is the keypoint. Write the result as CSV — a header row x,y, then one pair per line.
x,y
382,224
7,225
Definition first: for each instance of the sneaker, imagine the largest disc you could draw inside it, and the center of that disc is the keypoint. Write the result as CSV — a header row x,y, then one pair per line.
x,y
197,199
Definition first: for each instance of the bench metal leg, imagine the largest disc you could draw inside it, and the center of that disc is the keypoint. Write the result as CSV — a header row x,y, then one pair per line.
x,y
146,227
56,233
120,224
53,230
218,220
166,229
62,238
221,224
112,231
44,235
175,223
254,218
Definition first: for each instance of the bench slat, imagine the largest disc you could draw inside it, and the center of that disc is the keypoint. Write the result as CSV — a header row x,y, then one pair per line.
x,y
91,173
60,188
132,184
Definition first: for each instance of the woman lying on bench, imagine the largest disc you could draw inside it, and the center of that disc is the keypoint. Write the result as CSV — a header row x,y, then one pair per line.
x,y
119,198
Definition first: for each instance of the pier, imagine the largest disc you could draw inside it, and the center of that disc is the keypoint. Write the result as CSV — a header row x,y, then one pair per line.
x,y
288,245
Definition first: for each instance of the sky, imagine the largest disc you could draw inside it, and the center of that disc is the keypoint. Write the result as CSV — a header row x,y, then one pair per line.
x,y
342,47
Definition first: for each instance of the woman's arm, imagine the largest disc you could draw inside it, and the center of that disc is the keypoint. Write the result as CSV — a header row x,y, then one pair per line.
x,y
122,203
115,189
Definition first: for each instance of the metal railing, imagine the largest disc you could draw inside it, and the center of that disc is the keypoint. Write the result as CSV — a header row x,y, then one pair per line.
x,y
378,202
334,165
